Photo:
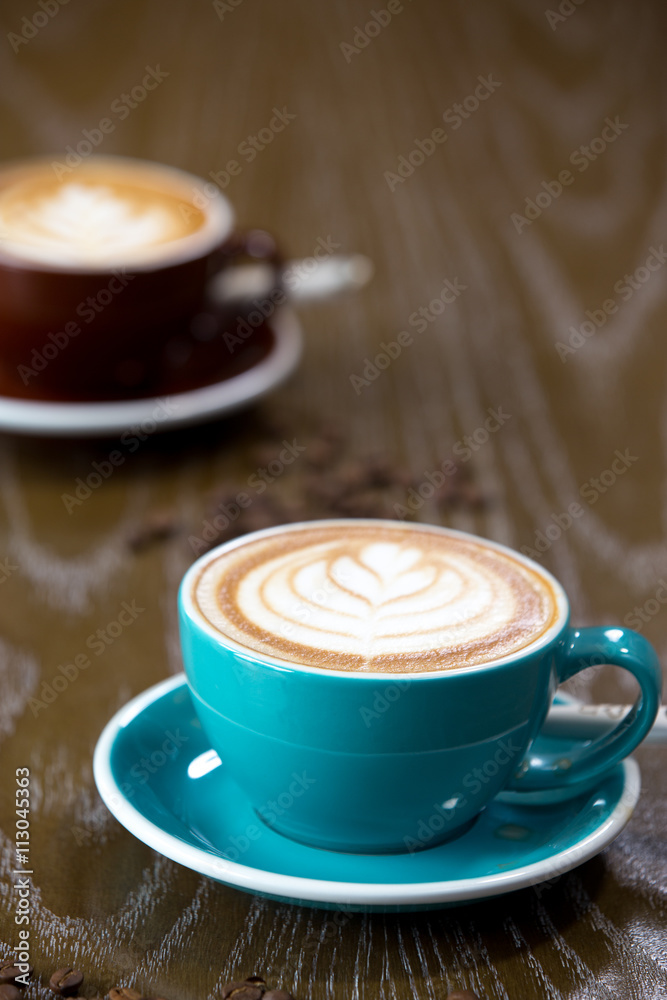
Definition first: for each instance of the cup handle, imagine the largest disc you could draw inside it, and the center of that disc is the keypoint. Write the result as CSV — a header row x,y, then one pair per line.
x,y
584,648
247,265
254,244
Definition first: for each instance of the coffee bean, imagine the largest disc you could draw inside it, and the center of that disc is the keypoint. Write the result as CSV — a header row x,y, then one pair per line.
x,y
319,452
359,504
323,489
278,995
471,496
123,993
462,995
9,971
9,992
157,527
264,452
352,474
380,471
256,981
65,982
331,431
258,517
241,991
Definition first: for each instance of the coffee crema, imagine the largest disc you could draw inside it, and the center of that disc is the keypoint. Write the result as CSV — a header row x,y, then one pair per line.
x,y
364,597
101,213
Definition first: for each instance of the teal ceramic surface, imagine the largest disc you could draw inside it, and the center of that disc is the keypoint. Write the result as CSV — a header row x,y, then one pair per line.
x,y
156,772
377,762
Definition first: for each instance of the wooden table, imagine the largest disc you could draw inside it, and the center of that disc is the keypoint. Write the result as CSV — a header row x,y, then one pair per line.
x,y
568,115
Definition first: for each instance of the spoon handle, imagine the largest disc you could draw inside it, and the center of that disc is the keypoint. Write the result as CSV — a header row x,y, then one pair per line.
x,y
584,721
303,281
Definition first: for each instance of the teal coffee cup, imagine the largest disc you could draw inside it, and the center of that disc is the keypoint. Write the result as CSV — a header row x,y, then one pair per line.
x,y
360,679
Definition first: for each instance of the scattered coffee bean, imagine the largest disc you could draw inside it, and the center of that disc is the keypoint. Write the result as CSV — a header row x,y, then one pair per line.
x,y
319,453
326,481
157,527
462,995
9,971
363,503
260,515
124,993
10,992
380,471
65,982
353,474
241,991
252,988
471,496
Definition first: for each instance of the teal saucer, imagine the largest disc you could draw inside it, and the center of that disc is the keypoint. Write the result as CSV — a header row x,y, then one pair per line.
x,y
158,776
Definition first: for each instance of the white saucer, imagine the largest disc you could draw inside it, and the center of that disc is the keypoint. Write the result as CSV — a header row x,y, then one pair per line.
x,y
185,806
54,419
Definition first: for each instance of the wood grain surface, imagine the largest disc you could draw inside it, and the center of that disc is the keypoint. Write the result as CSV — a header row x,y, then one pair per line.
x,y
100,898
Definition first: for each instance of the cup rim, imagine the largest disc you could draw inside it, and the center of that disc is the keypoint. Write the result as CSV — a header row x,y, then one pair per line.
x,y
197,618
218,224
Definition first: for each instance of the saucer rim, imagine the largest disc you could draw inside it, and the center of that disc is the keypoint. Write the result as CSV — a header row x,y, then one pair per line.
x,y
93,419
325,891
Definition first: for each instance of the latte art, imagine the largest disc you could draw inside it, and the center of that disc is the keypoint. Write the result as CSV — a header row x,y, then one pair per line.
x,y
103,212
365,597
88,219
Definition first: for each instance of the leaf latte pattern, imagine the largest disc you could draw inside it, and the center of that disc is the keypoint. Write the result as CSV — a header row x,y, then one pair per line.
x,y
375,597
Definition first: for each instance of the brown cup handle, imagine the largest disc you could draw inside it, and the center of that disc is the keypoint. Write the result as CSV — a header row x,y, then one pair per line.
x,y
248,247
254,244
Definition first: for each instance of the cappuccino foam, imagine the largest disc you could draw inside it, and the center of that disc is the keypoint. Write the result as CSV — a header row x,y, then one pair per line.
x,y
99,214
371,597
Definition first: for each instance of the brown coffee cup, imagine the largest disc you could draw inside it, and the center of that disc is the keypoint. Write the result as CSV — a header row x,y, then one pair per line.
x,y
104,272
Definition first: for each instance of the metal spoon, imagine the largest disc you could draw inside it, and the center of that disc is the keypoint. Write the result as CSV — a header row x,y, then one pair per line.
x,y
303,281
590,721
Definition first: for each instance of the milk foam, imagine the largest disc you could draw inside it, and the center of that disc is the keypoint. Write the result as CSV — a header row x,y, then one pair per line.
x,y
93,221
375,598
94,216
